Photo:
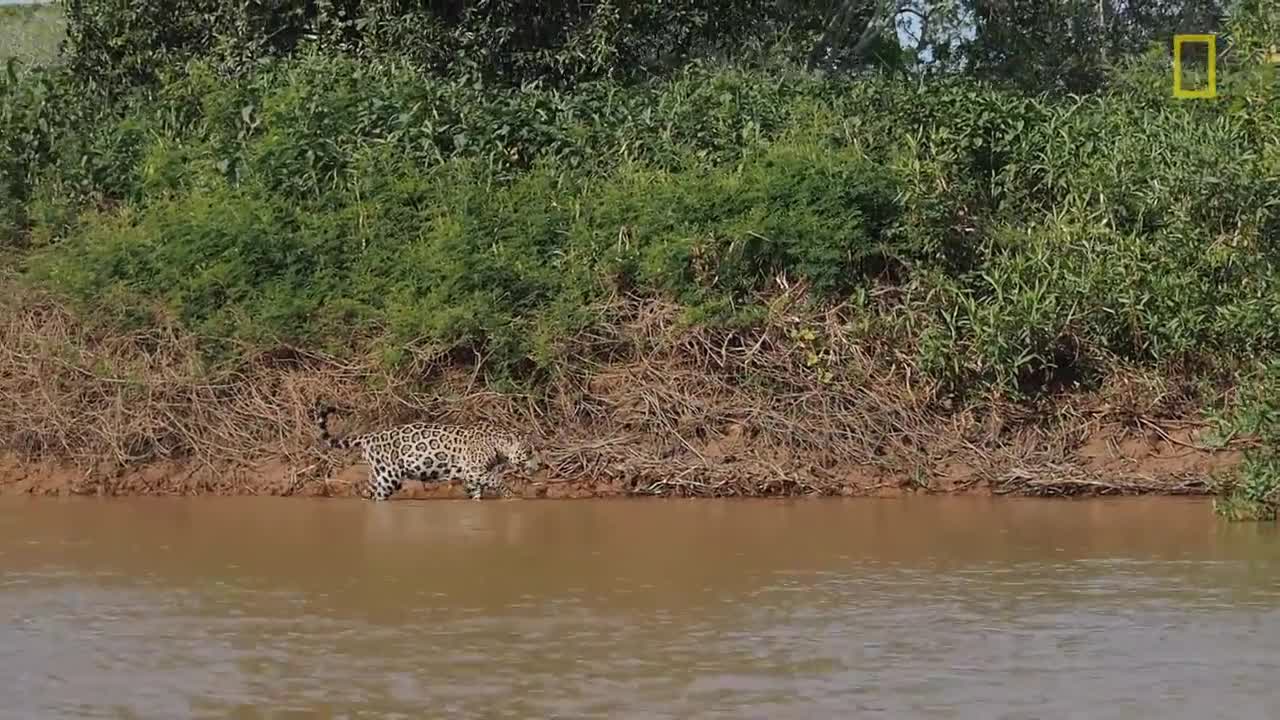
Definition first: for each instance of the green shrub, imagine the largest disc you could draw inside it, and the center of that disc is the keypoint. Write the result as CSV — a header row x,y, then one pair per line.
x,y
1037,238
444,255
509,42
1252,491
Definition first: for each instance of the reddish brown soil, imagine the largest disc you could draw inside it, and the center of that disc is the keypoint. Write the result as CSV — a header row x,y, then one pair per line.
x,y
643,405
1110,460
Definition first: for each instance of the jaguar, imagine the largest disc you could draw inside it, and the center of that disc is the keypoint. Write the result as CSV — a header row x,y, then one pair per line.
x,y
429,452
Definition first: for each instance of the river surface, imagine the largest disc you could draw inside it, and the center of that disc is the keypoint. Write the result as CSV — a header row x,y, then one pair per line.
x,y
912,608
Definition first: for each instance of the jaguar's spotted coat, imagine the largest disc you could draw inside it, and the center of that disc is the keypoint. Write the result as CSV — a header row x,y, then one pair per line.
x,y
428,452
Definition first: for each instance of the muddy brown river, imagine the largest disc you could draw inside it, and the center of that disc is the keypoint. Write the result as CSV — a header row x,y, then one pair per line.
x,y
911,608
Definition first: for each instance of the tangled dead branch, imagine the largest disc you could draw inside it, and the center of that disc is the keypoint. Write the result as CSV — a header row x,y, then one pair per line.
x,y
807,404
1053,480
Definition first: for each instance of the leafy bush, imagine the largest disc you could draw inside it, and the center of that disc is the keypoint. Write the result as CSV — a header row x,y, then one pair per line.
x,y
443,255
1252,492
123,44
1036,237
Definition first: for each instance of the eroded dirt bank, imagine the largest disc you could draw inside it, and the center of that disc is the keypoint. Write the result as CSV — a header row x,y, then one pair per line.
x,y
641,406
1111,459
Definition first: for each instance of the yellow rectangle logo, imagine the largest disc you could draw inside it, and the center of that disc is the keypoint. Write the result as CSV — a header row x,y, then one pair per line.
x,y
1211,91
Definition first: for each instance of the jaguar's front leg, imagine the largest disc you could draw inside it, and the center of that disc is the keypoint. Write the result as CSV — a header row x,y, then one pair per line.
x,y
494,483
473,484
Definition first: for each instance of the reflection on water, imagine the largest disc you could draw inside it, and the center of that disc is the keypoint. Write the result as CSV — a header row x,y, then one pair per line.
x,y
929,607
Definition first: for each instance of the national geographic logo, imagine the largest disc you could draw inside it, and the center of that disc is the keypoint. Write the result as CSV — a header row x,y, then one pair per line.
x,y
1211,89
1271,55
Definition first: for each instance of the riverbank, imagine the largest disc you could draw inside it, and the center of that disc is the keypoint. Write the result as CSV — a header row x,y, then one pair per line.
x,y
677,411
723,271
1112,461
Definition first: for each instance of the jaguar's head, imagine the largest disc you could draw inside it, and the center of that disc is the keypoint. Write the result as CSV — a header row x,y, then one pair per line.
x,y
520,453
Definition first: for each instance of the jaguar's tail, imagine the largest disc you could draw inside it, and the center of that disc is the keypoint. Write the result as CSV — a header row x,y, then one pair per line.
x,y
321,417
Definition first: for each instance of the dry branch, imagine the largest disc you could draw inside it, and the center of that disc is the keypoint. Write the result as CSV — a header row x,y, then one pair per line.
x,y
644,405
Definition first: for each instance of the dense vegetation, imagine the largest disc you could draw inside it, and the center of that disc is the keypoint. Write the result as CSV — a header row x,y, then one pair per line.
x,y
342,175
